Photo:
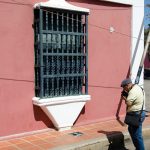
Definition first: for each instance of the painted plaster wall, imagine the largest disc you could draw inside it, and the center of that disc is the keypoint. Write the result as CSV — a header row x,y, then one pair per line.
x,y
137,47
17,70
109,57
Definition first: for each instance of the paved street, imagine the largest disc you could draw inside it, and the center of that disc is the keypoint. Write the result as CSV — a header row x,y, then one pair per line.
x,y
130,146
147,91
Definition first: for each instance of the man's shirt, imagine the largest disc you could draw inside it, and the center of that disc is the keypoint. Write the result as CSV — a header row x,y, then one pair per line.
x,y
135,99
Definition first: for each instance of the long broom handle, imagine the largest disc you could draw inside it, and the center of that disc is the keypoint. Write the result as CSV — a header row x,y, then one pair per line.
x,y
142,59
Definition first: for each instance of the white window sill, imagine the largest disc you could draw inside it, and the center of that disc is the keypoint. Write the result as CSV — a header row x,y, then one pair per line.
x,y
60,100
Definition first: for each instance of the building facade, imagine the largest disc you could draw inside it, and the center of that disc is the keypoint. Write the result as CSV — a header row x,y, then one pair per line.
x,y
108,38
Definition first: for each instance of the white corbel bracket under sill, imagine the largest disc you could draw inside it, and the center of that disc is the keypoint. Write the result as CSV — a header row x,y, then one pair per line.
x,y
62,111
61,4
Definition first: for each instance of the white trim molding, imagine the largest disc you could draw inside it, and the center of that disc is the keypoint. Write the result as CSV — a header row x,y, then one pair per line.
x,y
60,100
61,4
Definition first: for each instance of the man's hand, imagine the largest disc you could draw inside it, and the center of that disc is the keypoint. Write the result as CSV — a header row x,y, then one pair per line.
x,y
124,94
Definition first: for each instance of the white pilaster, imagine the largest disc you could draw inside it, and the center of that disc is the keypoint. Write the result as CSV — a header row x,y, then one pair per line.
x,y
138,41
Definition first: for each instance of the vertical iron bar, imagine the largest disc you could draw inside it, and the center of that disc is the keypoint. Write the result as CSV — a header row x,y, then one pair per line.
x,y
47,62
81,24
50,58
67,40
57,57
41,54
82,57
37,85
77,24
62,46
53,67
73,57
72,65
86,51
82,37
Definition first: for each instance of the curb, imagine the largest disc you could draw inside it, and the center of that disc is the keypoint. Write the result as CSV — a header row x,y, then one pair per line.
x,y
116,141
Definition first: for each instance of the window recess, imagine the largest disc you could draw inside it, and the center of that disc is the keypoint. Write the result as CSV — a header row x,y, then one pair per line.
x,y
61,53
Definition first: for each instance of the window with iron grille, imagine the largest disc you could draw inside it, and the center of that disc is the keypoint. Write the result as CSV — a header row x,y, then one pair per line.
x,y
61,55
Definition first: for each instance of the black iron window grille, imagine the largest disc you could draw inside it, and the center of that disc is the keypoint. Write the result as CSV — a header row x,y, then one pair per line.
x,y
61,55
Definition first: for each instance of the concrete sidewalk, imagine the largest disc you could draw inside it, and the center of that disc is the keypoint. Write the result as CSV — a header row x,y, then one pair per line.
x,y
111,140
107,135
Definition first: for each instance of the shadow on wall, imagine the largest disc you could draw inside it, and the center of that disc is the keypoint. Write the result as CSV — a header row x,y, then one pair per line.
x,y
115,139
39,115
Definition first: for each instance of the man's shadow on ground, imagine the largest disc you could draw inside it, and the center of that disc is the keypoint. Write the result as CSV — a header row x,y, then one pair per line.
x,y
115,139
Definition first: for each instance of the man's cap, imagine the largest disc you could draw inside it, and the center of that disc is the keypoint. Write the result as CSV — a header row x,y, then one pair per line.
x,y
125,82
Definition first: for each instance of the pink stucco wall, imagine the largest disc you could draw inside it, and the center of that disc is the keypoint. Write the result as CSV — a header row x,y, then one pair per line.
x,y
17,113
109,55
109,58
